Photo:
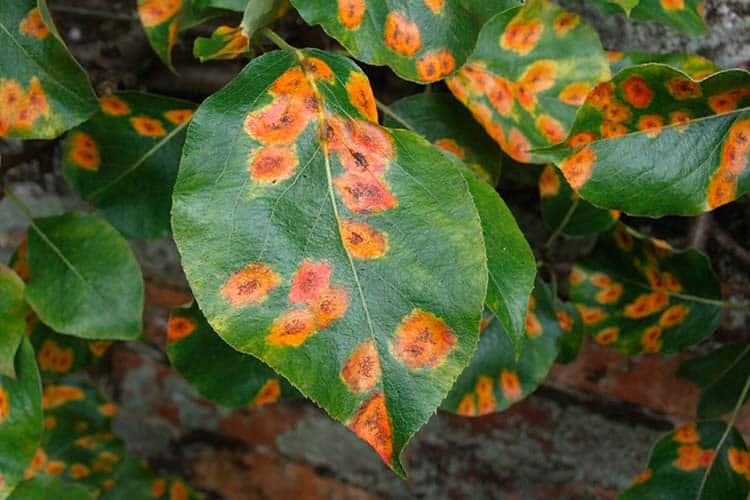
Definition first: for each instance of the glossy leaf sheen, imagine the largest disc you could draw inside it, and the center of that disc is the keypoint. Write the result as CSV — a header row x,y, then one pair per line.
x,y
207,363
637,294
275,170
12,319
654,142
421,40
124,160
43,90
530,71
85,280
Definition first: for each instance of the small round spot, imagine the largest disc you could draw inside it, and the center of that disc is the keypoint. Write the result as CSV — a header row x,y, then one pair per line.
x,y
78,471
565,320
292,82
179,327
510,385
651,124
268,394
155,12
601,95
682,88
330,305
292,328
581,139
33,25
148,127
351,13
591,315
423,340
549,183
280,121
575,93
360,95
178,491
310,281
361,372
642,477
57,395
273,163
250,285
4,404
363,241
84,151
651,339
467,407
114,106
672,4
610,294
566,22
637,92
500,94
673,316
364,194
447,144
533,326
688,457
551,129
317,68
577,167
402,34
435,65
521,36
373,425
607,335
436,6
178,116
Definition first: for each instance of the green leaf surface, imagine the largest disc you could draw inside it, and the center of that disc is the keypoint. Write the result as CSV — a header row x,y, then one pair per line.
x,y
124,160
234,5
561,206
20,418
572,328
695,66
686,16
690,464
616,5
334,250
85,280
721,374
444,122
43,90
50,488
207,362
13,311
495,379
422,41
638,294
530,71
654,142
58,355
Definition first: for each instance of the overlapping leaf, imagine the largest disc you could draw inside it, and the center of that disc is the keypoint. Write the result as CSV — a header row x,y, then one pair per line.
x,y
561,206
347,256
49,488
721,374
495,379
43,90
234,5
58,355
530,71
510,263
124,160
694,462
685,16
422,41
695,66
20,418
85,280
638,294
653,142
13,311
207,363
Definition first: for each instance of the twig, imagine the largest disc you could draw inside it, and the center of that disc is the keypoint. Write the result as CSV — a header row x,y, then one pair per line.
x,y
276,39
725,239
700,230
564,222
393,115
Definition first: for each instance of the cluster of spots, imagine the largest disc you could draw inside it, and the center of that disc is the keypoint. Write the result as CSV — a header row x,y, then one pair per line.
x,y
155,12
401,34
4,404
722,187
177,490
609,291
565,320
269,393
739,461
549,183
521,35
83,151
53,358
33,25
37,464
19,108
423,340
250,285
533,325
179,327
57,395
482,401
690,456
316,305
113,105
435,64
372,424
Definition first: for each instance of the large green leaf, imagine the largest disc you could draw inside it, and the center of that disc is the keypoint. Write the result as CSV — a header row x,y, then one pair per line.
x,y
695,462
50,488
530,71
721,374
510,261
562,207
495,379
638,294
695,66
422,41
653,142
12,319
124,160
331,248
207,363
20,418
235,5
43,90
85,280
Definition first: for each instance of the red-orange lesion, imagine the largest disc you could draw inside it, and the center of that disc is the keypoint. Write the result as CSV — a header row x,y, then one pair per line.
x,y
4,404
282,120
372,424
551,129
608,335
435,64
178,491
114,106
689,457
591,315
269,393
467,407
57,395
646,305
651,124
364,193
450,145
423,340
351,13
566,22
292,82
521,36
401,34
578,166
486,401
609,294
310,280
250,285
722,187
84,152
155,12
651,339
360,95
273,163
99,347
642,477
624,239
637,92
672,4
38,461
33,25
436,6
682,88
361,372
574,94
178,116
549,183
318,69
674,316
292,328
362,240
148,127
362,147
53,358
330,305
739,461
581,139
510,385
601,95
533,325
180,327
20,109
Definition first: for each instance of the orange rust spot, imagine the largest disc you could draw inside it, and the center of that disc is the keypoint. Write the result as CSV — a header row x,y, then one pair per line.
x,y
364,194
733,161
372,424
402,34
310,281
575,93
250,285
654,278
78,471
37,99
672,4
613,56
739,460
565,320
361,372
607,335
282,120
500,94
4,404
55,467
486,401
33,25
645,305
483,385
159,488
518,146
108,410
178,491
84,151
330,305
268,394
318,68
351,13
235,40
154,12
642,477
467,407
362,147
451,146
292,328
581,139
637,92
591,315
550,128
363,241
510,385
651,124
610,294
576,276
601,95
360,95
651,339
53,358
57,395
549,183
577,167
611,129
688,457
273,163
436,6
601,280
99,347
423,340
671,282
680,119
726,102
178,116
533,326
617,112
624,239
148,127
179,327
292,82
673,316
521,36
565,22
682,88
114,106
435,65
